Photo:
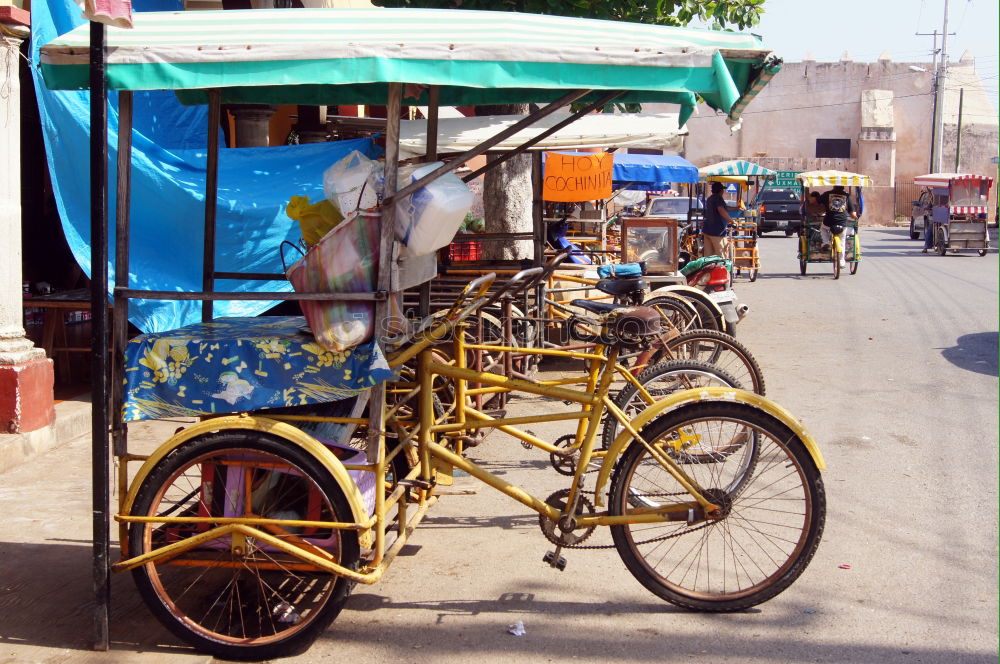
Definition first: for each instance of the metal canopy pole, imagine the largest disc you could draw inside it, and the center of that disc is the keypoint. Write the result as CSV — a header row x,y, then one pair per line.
x,y
211,201
383,307
99,350
483,147
538,233
119,329
508,154
433,107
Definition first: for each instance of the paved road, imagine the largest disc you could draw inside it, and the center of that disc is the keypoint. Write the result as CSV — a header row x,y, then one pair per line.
x,y
894,371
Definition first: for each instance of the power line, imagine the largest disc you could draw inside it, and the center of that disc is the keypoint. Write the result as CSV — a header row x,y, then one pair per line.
x,y
798,108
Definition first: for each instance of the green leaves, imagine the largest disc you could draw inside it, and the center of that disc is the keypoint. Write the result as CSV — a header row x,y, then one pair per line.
x,y
718,14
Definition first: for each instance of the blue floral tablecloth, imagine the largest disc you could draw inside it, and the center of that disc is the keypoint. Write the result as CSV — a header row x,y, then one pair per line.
x,y
234,365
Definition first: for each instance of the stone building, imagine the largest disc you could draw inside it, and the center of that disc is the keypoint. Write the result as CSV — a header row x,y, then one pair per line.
x,y
872,118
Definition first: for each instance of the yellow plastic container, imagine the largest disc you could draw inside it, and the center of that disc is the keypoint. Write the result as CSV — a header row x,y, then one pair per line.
x,y
315,219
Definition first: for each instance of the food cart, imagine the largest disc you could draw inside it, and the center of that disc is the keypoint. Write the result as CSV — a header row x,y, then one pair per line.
x,y
954,208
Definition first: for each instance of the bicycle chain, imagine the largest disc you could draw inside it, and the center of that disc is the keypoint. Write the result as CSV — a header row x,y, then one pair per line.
x,y
649,541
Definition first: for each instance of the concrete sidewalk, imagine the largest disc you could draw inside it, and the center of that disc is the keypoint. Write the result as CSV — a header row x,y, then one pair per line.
x,y
72,420
46,558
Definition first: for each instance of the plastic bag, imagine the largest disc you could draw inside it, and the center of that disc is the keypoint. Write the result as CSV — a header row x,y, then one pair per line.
x,y
315,219
352,183
429,218
345,260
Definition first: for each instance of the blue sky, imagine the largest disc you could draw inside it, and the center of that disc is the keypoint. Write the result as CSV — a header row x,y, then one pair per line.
x,y
867,27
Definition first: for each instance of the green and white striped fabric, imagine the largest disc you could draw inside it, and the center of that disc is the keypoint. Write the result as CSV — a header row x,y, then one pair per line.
x,y
476,57
735,167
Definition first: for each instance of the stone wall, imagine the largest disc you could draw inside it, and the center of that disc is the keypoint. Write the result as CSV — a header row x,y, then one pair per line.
x,y
810,100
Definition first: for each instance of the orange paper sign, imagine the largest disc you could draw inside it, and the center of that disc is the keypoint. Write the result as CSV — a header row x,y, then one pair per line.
x,y
572,178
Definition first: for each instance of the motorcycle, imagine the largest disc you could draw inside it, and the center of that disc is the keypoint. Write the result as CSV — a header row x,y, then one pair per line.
x,y
713,276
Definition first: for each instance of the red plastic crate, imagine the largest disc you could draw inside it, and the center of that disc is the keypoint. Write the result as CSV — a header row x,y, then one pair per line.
x,y
469,250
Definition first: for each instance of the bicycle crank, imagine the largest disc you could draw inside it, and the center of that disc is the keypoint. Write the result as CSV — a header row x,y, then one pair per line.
x,y
565,532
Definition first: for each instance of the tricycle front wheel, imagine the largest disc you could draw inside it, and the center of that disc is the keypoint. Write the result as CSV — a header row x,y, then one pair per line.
x,y
234,596
768,490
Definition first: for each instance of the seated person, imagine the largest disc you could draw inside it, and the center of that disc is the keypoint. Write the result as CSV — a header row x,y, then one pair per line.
x,y
840,211
815,210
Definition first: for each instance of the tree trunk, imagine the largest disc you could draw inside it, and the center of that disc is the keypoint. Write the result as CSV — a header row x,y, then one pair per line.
x,y
507,198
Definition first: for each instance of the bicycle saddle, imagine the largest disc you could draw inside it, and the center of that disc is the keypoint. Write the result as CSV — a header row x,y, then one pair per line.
x,y
621,286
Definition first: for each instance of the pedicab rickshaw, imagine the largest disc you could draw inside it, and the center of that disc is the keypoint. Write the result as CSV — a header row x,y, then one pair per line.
x,y
954,209
743,235
811,248
244,532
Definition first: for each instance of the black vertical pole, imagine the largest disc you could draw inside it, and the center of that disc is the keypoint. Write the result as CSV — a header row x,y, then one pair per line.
x,y
99,311
211,201
538,243
119,320
433,107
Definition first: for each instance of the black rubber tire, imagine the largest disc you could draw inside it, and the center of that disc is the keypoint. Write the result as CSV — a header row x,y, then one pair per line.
x,y
802,267
722,350
289,484
914,235
789,233
681,312
661,380
854,266
780,496
706,317
981,252
753,275
940,246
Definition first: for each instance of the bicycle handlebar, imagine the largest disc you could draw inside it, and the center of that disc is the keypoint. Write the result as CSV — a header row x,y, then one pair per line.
x,y
535,274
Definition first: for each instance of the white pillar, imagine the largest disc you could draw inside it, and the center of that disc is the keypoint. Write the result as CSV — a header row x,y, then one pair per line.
x,y
26,400
14,347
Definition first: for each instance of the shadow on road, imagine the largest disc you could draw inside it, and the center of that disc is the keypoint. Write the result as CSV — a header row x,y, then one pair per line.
x,y
47,601
974,352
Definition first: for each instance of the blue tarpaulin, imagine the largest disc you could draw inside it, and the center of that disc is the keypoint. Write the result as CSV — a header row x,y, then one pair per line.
x,y
651,171
168,185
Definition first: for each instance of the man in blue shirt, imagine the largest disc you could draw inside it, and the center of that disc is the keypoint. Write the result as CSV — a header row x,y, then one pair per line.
x,y
716,221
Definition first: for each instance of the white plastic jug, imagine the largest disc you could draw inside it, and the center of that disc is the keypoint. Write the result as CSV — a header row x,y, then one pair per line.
x,y
350,183
429,218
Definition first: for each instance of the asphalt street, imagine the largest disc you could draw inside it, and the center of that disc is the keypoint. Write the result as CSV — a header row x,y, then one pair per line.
x,y
894,372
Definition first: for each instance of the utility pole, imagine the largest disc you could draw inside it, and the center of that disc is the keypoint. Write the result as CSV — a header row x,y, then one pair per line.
x,y
935,130
939,86
958,133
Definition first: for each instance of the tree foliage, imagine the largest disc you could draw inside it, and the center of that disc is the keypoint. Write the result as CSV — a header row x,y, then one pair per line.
x,y
718,14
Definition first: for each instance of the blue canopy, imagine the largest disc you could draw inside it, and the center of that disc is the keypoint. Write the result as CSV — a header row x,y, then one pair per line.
x,y
168,184
652,171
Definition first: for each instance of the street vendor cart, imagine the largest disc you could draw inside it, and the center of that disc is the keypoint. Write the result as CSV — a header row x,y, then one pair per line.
x,y
953,208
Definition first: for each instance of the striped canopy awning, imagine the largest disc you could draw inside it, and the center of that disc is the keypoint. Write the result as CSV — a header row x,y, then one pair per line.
x,y
833,178
735,167
945,179
475,57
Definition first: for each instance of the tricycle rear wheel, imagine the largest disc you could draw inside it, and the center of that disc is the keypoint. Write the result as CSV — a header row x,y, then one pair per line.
x,y
236,597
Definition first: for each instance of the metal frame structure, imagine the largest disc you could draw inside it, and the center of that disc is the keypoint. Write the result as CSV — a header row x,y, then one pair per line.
x,y
728,81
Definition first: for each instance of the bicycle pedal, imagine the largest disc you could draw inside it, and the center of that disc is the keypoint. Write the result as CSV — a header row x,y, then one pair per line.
x,y
552,560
